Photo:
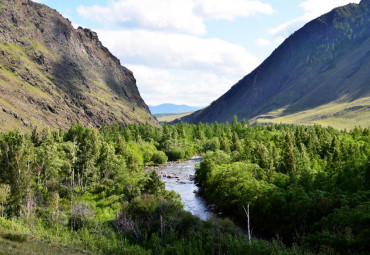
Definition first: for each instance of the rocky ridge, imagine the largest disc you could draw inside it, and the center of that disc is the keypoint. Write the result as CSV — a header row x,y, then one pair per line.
x,y
52,74
320,74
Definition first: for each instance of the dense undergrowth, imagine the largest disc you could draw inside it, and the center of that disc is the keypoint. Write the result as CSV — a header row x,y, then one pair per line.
x,y
87,188
308,185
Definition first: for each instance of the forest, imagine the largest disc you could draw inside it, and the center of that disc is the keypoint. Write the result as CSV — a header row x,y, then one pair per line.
x,y
307,188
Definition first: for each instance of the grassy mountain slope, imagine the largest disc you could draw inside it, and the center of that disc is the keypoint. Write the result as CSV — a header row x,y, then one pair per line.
x,y
325,62
52,74
172,117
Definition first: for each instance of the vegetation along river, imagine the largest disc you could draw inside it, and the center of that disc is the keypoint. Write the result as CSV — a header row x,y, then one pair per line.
x,y
178,176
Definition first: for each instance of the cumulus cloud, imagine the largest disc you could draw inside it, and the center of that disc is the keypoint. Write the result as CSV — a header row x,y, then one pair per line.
x,y
197,88
312,9
263,42
153,14
159,41
179,68
168,15
178,51
228,10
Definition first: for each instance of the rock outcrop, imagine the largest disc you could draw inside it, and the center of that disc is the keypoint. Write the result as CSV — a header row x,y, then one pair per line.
x,y
52,74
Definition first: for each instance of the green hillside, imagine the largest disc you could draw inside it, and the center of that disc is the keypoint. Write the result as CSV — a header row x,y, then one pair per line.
x,y
172,117
345,115
325,63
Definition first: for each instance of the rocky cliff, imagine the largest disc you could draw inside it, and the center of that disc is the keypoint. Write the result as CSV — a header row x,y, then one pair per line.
x,y
320,74
52,74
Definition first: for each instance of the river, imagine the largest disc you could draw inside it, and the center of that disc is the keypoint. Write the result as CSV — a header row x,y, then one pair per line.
x,y
178,176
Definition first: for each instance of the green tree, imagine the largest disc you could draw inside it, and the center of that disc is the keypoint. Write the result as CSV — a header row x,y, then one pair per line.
x,y
16,167
4,193
154,185
289,162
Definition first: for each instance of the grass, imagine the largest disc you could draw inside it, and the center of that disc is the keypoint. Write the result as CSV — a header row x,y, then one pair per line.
x,y
12,242
98,237
172,117
336,114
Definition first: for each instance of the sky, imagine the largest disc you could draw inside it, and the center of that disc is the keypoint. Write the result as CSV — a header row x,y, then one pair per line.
x,y
191,51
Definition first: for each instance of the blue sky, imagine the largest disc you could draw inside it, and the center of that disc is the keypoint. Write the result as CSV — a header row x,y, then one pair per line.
x,y
191,51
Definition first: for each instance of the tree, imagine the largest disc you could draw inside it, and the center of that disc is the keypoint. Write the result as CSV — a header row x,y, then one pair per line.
x,y
4,193
86,157
105,161
224,143
16,167
46,159
289,162
236,145
154,185
234,123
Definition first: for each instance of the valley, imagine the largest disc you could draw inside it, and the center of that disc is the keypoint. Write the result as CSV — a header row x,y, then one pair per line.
x,y
88,167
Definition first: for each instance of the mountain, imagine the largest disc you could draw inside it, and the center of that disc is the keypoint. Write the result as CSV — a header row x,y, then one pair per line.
x,y
320,74
53,74
172,108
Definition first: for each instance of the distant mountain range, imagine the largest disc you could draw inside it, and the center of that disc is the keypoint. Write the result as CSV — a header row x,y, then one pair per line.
x,y
52,74
320,74
172,108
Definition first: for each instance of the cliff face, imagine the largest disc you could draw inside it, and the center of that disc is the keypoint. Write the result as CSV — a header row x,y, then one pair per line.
x,y
52,74
325,62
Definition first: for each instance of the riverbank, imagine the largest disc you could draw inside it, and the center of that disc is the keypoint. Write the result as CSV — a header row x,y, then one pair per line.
x,y
179,177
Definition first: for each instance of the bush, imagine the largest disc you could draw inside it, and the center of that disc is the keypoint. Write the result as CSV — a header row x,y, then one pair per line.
x,y
14,237
175,154
81,215
159,157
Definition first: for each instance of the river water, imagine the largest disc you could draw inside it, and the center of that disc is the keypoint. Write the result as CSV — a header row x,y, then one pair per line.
x,y
178,176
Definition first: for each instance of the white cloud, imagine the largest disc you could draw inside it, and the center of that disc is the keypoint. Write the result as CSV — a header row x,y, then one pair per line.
x,y
170,66
75,25
312,9
279,40
179,68
193,87
172,15
285,29
228,10
263,42
316,8
178,51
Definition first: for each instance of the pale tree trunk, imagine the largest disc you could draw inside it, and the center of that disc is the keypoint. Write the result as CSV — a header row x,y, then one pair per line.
x,y
73,164
72,221
31,206
73,183
249,227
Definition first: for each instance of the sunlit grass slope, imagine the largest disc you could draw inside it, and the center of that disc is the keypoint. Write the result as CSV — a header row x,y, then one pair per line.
x,y
335,114
170,118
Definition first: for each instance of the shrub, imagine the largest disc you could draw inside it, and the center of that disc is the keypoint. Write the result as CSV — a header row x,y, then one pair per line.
x,y
81,215
14,237
159,157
